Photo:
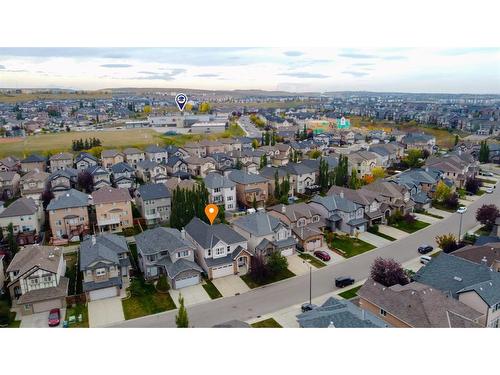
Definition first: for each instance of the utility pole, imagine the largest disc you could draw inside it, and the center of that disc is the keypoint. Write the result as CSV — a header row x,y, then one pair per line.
x,y
310,281
460,227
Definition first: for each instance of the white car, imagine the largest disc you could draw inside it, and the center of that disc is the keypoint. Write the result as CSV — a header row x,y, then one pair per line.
x,y
488,190
462,210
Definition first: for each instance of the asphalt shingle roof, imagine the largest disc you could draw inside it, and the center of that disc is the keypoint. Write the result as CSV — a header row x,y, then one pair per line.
x,y
69,199
208,235
215,180
160,239
102,247
22,206
153,191
259,223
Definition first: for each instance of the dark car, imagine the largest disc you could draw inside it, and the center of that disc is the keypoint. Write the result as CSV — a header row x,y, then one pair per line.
x,y
323,255
424,249
343,281
308,307
54,317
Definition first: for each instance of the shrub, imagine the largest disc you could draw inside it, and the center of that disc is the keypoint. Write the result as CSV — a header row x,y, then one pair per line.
x,y
388,272
452,201
373,229
409,218
447,242
277,263
4,313
162,284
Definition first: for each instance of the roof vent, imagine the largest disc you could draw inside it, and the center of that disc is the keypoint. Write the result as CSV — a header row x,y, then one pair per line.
x,y
456,278
484,261
93,240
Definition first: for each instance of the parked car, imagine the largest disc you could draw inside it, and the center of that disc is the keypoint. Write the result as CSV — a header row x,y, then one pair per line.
x,y
488,190
424,249
424,259
323,255
54,317
462,210
487,174
308,307
343,281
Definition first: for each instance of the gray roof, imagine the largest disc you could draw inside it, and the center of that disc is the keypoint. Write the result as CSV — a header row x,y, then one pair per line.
x,y
175,268
22,206
298,169
154,149
121,168
208,235
258,223
215,180
456,275
34,158
241,177
335,202
91,285
153,191
160,239
102,247
85,155
69,173
71,198
339,314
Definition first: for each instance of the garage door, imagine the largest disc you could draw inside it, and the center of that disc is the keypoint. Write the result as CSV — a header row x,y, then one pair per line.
x,y
187,281
222,271
103,293
313,245
287,252
47,305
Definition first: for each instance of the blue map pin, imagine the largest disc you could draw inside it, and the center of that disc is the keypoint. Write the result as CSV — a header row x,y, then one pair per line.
x,y
181,100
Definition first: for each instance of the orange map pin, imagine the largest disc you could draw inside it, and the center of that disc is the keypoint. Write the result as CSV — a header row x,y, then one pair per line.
x,y
211,210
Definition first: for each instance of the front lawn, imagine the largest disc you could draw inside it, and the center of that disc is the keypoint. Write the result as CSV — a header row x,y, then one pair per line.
x,y
442,207
351,293
75,311
211,289
389,238
483,231
145,300
409,227
277,277
312,260
427,213
485,180
267,323
348,246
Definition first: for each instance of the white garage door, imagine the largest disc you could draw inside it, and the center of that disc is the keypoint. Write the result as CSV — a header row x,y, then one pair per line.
x,y
287,252
103,293
222,271
47,305
188,281
313,245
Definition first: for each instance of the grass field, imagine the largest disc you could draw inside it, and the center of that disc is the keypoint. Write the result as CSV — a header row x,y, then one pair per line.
x,y
278,277
268,323
409,228
26,97
349,246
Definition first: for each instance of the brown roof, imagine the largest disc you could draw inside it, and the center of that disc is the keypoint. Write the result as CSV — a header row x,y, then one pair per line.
x,y
173,183
35,175
44,257
62,156
21,206
7,176
110,195
420,306
488,253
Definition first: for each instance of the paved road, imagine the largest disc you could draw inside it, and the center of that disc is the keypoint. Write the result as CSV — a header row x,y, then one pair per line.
x,y
293,291
249,127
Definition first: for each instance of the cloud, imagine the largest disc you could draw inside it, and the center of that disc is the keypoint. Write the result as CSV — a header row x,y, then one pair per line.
x,y
393,57
2,66
207,75
304,75
116,65
293,53
356,55
354,73
363,64
466,51
165,76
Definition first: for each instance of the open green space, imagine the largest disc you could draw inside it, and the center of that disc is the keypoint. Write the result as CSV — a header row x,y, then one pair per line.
x,y
312,260
349,246
285,274
145,300
267,323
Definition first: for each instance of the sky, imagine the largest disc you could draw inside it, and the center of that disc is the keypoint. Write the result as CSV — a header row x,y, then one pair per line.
x,y
440,70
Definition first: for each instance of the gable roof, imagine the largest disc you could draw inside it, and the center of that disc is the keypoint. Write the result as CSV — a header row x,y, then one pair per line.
x,y
71,198
21,206
258,223
102,247
215,180
335,202
208,235
110,194
44,257
160,239
121,167
295,211
243,178
34,158
153,191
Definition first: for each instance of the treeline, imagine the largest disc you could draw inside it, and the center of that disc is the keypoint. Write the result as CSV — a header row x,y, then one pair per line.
x,y
85,144
339,176
187,204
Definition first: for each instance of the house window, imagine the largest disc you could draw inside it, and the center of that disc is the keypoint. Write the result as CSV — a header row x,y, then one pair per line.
x,y
209,252
219,251
27,307
496,307
383,312
100,272
182,254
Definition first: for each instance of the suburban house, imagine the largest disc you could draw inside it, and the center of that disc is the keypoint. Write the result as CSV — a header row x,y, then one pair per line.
x,y
231,144
195,149
222,191
420,141
375,210
475,285
363,162
133,156
156,154
62,180
84,161
111,157
306,223
487,255
397,197
151,171
167,251
9,185
26,217
453,168
123,175
105,265
176,165
388,153
34,162
416,305
250,188
10,164
33,184
340,213
68,215
154,203
100,176
37,283
212,147
113,209
220,250
270,173
266,234
60,161
335,313
199,167
174,183
301,176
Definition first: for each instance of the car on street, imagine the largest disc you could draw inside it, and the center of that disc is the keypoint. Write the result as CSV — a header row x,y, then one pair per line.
x,y
54,317
343,281
323,255
488,190
424,249
462,210
307,307
487,174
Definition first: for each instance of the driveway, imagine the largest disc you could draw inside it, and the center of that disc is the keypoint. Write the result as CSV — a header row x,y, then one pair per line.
x,y
105,311
393,232
441,213
427,218
373,239
230,285
297,266
40,320
191,294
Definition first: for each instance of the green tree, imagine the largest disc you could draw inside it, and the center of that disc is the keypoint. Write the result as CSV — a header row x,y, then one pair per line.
x,y
277,263
378,172
238,164
354,181
263,161
315,154
273,138
11,240
484,153
277,189
457,139
442,192
254,202
267,138
181,319
413,158
162,284
255,144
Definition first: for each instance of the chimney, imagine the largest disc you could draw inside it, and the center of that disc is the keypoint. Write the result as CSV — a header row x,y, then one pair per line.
x,y
283,208
363,314
484,261
341,194
183,233
93,240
